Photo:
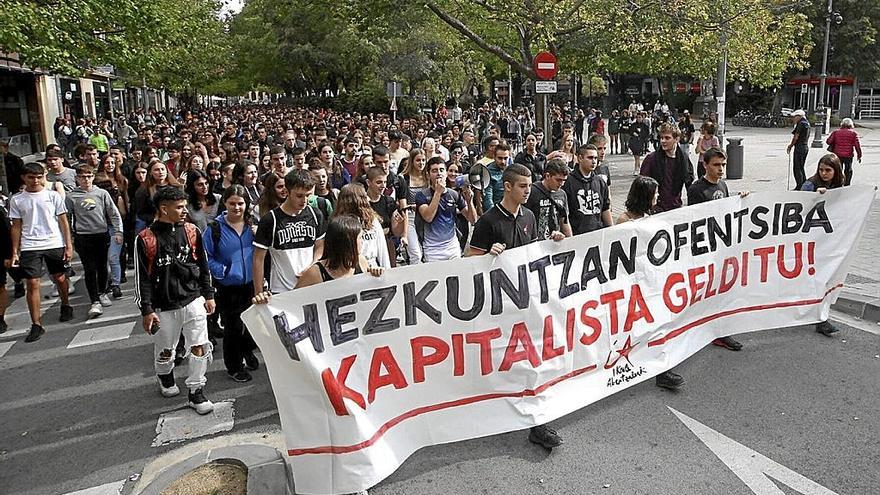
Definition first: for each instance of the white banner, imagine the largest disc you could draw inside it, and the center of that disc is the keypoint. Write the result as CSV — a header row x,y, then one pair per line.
x,y
368,370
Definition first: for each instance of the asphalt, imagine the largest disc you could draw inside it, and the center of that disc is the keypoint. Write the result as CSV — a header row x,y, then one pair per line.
x,y
87,416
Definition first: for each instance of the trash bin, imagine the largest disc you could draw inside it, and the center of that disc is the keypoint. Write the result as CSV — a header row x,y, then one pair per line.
x,y
734,158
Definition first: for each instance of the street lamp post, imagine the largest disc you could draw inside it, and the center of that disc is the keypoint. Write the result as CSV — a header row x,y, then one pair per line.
x,y
722,84
821,111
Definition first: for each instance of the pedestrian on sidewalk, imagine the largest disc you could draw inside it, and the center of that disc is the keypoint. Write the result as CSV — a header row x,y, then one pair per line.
x,y
94,218
844,143
509,224
829,175
800,142
706,141
40,235
639,132
229,244
711,186
174,293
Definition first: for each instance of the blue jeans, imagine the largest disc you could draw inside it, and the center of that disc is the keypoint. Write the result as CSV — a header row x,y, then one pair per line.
x,y
113,260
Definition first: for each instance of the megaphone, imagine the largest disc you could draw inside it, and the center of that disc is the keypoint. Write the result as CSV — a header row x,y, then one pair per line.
x,y
478,176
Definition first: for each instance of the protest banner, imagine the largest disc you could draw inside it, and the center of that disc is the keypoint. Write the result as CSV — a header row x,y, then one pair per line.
x,y
367,370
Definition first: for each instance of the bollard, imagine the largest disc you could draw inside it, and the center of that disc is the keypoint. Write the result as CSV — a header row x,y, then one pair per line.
x,y
734,158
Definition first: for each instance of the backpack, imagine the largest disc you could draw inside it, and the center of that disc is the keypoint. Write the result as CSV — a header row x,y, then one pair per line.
x,y
151,245
214,227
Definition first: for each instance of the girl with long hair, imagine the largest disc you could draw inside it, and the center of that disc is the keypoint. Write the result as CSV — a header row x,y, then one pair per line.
x,y
229,246
337,176
415,178
353,201
829,175
641,199
203,204
144,210
109,177
274,193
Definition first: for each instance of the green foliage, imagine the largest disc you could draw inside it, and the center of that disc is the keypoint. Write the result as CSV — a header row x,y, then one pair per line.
x,y
854,47
166,42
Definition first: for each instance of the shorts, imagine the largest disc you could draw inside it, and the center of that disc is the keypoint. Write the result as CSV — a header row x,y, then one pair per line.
x,y
31,262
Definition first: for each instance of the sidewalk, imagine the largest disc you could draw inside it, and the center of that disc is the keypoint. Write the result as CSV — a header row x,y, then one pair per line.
x,y
766,168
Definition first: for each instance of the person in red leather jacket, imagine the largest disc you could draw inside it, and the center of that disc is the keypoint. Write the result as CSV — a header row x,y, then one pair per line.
x,y
844,143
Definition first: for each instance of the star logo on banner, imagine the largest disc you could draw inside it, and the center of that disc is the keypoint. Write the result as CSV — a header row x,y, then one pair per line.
x,y
623,352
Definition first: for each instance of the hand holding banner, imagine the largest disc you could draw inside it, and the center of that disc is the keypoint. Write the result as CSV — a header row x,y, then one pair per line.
x,y
366,371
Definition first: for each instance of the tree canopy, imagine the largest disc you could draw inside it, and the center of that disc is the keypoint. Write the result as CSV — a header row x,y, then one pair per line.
x,y
172,43
434,47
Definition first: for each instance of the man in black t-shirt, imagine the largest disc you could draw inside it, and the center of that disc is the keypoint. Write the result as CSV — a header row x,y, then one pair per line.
x,y
710,187
800,141
548,203
589,203
508,225
292,234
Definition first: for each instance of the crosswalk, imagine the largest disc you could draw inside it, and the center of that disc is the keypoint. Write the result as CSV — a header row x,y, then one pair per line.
x,y
118,328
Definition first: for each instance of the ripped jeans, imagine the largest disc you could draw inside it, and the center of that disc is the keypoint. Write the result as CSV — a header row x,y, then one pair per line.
x,y
192,322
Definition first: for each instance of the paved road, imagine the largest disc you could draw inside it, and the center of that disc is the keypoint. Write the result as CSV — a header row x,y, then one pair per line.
x,y
80,408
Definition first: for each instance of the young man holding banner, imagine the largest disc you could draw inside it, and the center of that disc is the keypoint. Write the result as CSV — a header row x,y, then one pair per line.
x,y
509,225
710,187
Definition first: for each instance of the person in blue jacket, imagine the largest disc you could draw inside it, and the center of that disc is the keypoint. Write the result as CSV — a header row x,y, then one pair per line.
x,y
229,244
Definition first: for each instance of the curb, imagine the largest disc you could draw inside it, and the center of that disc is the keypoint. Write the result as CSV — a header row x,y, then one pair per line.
x,y
857,305
267,472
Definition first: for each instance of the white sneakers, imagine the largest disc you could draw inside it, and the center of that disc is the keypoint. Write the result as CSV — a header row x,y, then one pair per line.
x,y
105,301
95,310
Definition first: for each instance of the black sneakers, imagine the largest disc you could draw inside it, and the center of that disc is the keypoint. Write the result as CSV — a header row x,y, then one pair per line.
x,y
3,326
36,332
117,292
669,380
826,329
240,376
728,343
251,362
198,402
545,436
66,313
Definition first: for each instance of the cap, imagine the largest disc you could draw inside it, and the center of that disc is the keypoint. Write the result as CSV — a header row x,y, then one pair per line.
x,y
798,113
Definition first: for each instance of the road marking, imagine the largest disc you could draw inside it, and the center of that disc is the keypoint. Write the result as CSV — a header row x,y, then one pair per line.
x,y
186,424
114,488
110,317
16,333
5,346
92,336
752,468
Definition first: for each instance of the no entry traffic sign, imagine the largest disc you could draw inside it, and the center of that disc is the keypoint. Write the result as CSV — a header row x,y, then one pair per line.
x,y
545,65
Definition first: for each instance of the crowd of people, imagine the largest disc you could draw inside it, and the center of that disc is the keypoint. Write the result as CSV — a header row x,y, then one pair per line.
x,y
217,208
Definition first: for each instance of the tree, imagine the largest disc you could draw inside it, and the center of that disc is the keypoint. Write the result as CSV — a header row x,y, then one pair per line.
x,y
141,39
854,48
